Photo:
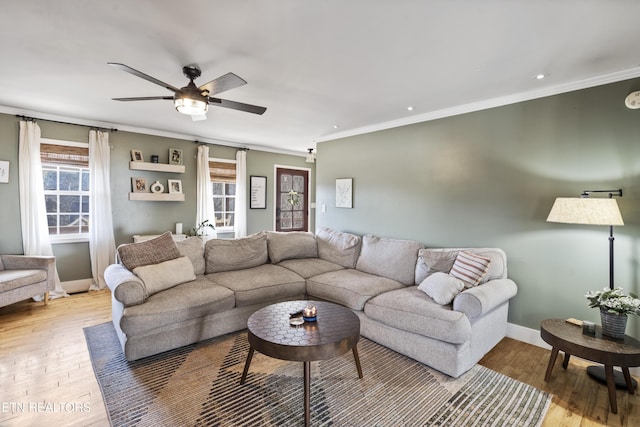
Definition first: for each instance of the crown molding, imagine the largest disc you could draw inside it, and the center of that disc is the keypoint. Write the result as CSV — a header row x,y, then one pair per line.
x,y
489,103
147,131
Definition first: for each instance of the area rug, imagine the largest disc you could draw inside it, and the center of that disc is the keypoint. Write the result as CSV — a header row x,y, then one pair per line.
x,y
199,385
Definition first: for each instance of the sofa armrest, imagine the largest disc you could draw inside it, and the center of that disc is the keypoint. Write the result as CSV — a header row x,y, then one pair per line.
x,y
481,299
33,262
125,286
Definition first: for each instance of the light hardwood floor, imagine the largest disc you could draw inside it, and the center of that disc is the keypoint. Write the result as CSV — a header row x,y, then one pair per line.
x,y
46,377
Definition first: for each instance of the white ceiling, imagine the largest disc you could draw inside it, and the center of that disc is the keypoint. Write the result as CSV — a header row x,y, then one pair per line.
x,y
314,64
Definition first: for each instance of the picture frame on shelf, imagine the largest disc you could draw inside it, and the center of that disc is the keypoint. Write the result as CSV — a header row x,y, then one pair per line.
x,y
175,186
139,185
136,156
258,192
175,156
4,171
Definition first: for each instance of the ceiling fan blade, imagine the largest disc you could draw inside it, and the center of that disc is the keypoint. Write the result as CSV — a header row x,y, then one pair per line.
x,y
143,98
142,75
223,83
237,105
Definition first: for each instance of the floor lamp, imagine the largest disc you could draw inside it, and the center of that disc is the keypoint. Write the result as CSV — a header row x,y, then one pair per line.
x,y
592,211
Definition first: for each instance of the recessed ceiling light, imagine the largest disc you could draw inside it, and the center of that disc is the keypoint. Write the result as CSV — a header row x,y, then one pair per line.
x,y
540,76
410,108
336,126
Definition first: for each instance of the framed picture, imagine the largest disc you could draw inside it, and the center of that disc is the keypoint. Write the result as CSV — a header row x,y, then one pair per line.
x,y
175,186
136,156
344,193
258,192
4,171
175,156
139,185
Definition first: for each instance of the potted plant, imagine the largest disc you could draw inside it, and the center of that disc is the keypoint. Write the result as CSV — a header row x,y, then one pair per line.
x,y
614,307
202,229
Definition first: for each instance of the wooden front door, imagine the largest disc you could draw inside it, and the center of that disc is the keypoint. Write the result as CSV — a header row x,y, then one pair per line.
x,y
292,200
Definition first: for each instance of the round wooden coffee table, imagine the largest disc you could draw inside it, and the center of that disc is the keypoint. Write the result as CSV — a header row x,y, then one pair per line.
x,y
336,331
599,348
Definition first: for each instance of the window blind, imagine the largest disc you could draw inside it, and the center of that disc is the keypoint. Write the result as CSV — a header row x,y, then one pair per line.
x,y
222,172
64,155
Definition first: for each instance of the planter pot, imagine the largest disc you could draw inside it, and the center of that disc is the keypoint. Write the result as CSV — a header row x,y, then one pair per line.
x,y
613,325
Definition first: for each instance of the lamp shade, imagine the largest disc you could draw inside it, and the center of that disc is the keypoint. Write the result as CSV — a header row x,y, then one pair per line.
x,y
578,210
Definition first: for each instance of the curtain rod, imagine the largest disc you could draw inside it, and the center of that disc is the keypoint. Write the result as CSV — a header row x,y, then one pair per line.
x,y
208,143
27,118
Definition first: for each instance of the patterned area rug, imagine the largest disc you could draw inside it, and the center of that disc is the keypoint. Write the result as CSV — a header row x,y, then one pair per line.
x,y
199,385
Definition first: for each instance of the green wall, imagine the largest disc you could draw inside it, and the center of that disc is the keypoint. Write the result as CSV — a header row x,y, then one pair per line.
x,y
129,217
489,178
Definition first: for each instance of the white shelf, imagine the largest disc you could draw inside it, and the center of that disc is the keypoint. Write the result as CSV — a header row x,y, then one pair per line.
x,y
156,167
157,197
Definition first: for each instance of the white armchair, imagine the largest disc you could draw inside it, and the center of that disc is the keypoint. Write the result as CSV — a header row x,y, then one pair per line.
x,y
23,277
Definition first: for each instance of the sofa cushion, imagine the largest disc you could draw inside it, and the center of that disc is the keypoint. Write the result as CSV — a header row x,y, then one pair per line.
x,y
309,267
432,260
193,247
152,251
391,258
470,268
441,287
410,309
158,277
349,287
183,302
236,254
259,284
13,279
338,247
291,245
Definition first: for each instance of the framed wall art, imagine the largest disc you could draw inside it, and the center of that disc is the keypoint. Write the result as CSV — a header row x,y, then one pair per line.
x,y
344,193
258,192
4,171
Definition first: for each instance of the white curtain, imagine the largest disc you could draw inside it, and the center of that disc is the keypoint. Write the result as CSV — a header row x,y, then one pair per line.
x,y
102,245
204,194
241,194
33,214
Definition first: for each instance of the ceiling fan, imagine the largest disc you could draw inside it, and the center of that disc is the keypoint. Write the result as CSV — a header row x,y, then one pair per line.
x,y
191,99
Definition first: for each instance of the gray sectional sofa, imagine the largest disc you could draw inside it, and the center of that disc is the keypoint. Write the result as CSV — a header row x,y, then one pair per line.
x,y
417,301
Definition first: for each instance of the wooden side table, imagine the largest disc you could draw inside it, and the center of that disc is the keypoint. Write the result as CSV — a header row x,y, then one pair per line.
x,y
569,338
336,332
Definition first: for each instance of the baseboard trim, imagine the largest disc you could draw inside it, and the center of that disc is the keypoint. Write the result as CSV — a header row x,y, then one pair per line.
x,y
75,286
532,336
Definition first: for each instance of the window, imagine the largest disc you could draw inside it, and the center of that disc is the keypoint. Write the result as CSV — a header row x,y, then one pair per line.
x,y
223,183
65,174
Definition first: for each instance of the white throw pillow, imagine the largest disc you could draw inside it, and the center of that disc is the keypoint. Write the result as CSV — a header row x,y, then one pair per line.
x,y
165,275
441,287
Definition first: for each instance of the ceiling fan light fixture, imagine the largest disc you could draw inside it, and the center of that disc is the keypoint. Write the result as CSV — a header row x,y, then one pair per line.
x,y
190,106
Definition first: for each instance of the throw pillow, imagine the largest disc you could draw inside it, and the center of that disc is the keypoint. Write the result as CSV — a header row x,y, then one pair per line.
x,y
470,268
193,247
441,287
391,258
236,254
153,251
338,247
291,245
165,275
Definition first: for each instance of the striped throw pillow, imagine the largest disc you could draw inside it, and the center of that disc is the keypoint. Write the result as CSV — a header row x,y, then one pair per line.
x,y
470,268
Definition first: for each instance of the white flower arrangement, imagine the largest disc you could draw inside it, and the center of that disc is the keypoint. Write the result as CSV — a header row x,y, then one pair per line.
x,y
614,301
